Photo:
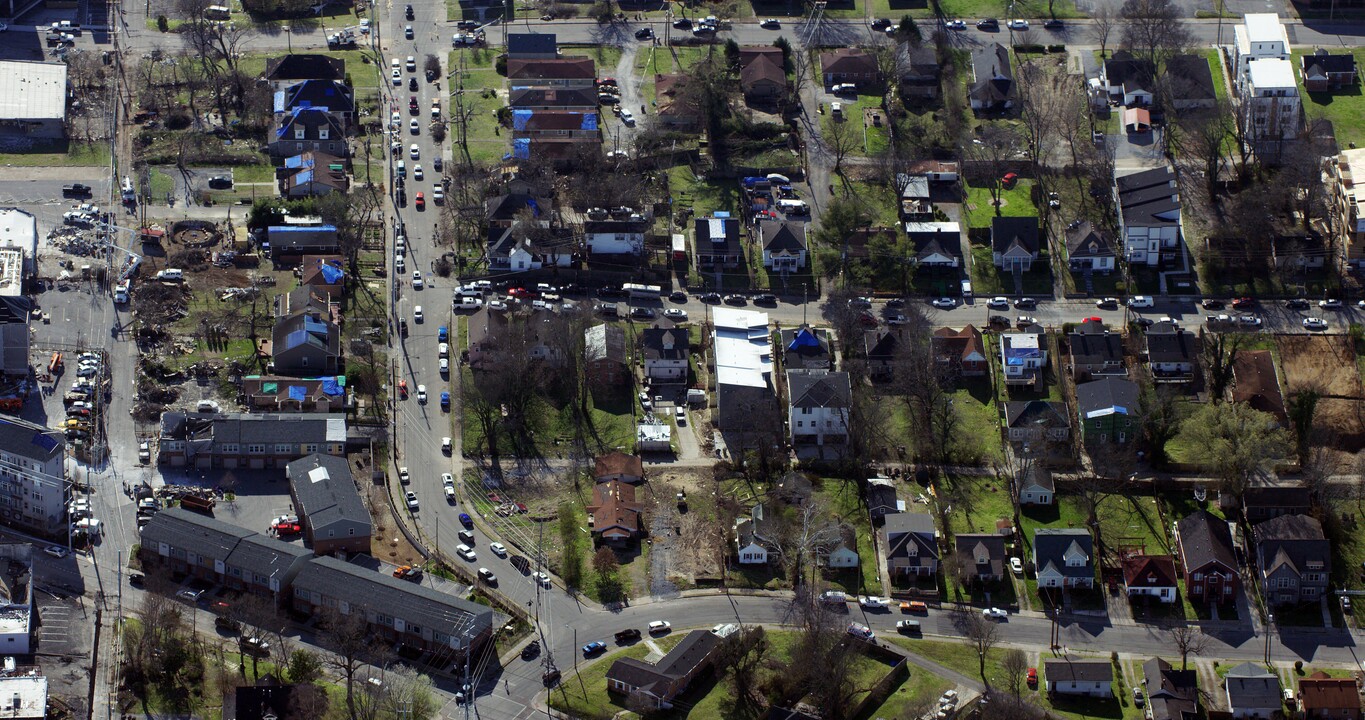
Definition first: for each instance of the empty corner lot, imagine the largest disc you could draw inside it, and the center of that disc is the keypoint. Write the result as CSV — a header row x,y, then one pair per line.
x,y
1327,365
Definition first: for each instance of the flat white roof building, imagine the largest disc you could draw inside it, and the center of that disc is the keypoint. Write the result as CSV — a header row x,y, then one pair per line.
x,y
743,350
1259,37
19,230
33,99
1272,74
23,694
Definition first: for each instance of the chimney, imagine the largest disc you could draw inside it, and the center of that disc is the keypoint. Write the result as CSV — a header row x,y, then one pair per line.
x,y
668,341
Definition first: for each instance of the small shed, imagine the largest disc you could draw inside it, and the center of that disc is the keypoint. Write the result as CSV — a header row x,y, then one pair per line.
x,y
1137,120
653,437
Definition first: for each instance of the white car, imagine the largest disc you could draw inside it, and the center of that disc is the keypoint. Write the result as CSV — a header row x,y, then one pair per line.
x,y
414,127
445,445
541,578
628,118
1330,304
944,303
1140,301
956,24
56,551
444,366
417,314
395,120
403,477
1016,566
497,305
998,303
466,552
397,77
447,479
414,151
834,597
660,626
1315,323
994,614
443,350
412,499
422,394
417,280
1018,25
675,314
873,602
417,173
412,64
498,549
438,195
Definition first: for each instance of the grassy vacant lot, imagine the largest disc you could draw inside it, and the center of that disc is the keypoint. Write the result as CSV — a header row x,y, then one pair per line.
x,y
1349,549
955,656
486,141
1345,108
613,425
1125,520
842,500
1017,202
700,195
878,201
59,153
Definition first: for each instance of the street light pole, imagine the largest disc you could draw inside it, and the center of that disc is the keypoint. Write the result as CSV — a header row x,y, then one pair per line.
x,y
1269,629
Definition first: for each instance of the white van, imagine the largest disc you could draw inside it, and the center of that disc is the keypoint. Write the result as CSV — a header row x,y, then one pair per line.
x,y
966,288
1140,301
793,207
836,109
121,292
171,275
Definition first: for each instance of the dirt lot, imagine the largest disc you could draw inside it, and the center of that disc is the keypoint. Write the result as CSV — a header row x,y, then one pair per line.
x,y
683,547
1326,363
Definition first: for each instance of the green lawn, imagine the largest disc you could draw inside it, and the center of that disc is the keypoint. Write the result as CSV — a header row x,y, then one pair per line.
x,y
486,140
1017,202
1125,521
701,195
59,153
1348,550
585,695
1220,88
988,280
878,201
1345,108
920,684
842,500
955,656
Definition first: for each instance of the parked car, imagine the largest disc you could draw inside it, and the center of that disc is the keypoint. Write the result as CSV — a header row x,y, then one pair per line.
x,y
1295,304
1016,566
487,576
944,303
1212,304
1313,323
859,630
1018,24
988,24
1109,302
1025,304
595,647
660,626
998,302
1331,304
411,498
908,626
994,613
872,602
1242,303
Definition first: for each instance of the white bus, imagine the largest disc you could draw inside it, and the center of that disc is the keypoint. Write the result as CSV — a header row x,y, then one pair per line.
x,y
642,292
217,12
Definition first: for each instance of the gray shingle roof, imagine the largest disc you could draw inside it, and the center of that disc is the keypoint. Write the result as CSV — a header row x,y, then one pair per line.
x,y
326,493
1078,671
1051,546
266,556
1252,686
1205,540
1106,394
818,389
31,440
266,428
1146,198
200,534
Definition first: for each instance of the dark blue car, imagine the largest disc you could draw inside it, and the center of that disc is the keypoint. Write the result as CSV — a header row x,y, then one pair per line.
x,y
445,401
465,520
593,648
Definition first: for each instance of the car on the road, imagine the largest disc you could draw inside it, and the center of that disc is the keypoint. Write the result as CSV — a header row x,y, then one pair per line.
x,y
466,552
1295,304
497,305
988,24
765,299
445,400
998,320
710,298
531,650
412,84
415,153
1243,303
897,319
487,576
594,647
1249,321
1212,304
498,549
1107,303
1053,24
422,394
642,313
397,76
1143,301
56,551
944,303
736,299
628,118
914,606
1025,320
994,613
872,602
467,25
862,303
880,24
220,182
417,315
682,24
627,635
1313,323
541,578
415,127
675,314
770,24
417,280
998,303
860,630
1018,24
407,12
407,31
907,626
411,497
834,597
190,594
76,190
956,25
1016,566
445,446
660,626
465,520
403,477
644,34
1025,304
1331,304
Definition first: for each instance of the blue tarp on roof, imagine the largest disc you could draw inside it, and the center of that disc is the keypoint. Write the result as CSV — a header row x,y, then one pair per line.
x,y
282,229
297,392
295,339
520,118
804,338
751,181
279,101
330,386
535,207
316,327
331,274
589,121
296,161
304,176
521,148
44,441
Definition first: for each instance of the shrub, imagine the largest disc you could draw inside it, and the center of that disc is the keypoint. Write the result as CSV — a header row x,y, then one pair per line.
x,y
162,23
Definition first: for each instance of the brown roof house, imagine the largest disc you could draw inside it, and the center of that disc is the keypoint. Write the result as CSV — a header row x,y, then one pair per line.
x,y
849,65
675,110
614,515
1208,558
1151,576
324,273
618,466
980,557
657,684
962,353
761,75
1171,694
1323,696
604,355
919,71
562,72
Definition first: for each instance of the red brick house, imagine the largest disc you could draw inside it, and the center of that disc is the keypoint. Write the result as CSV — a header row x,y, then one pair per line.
x,y
1323,696
1205,550
961,353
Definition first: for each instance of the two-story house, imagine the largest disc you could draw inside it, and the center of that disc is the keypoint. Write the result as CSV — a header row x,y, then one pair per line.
x,y
1033,421
1294,559
615,237
912,544
1023,355
883,351
606,363
754,535
1171,694
1064,558
1091,678
306,342
981,558
717,242
1089,248
1150,576
308,129
1108,410
1253,692
805,348
784,245
1172,353
1127,79
849,65
257,442
1096,351
557,72
1149,216
334,517
1323,697
1208,558
818,405
992,87
1324,71
960,353
918,70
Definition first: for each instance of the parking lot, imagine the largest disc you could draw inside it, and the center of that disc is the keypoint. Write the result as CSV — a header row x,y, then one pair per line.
x,y
250,497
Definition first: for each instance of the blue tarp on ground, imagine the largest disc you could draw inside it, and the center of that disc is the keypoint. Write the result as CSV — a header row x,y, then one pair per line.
x,y
297,392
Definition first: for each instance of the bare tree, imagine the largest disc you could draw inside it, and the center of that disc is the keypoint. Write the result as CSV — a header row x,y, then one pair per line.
x,y
981,632
997,146
1102,22
804,531
1188,639
739,658
1015,666
840,138
409,694
1154,30
1203,135
1219,352
348,637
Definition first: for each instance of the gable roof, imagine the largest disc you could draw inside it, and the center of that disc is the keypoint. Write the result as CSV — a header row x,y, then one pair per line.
x,y
312,120
1192,78
1176,346
961,344
562,68
717,236
322,270
973,547
848,61
1092,344
1252,686
694,650
1205,541
1123,67
881,344
917,63
935,238
1321,62
1320,691
1107,396
614,507
551,97
1052,546
330,95
992,76
1292,542
1084,241
1036,475
306,327
1023,413
618,463
762,68
818,389
1065,670
783,238
1014,233
904,529
531,44
1149,571
1254,382
803,347
664,343
326,491
1171,694
305,67
604,342
30,440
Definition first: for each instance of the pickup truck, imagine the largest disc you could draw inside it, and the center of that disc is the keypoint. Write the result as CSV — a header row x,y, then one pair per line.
x,y
627,635
76,190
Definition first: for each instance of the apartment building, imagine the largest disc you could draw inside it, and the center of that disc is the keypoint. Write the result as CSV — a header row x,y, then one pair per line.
x,y
33,487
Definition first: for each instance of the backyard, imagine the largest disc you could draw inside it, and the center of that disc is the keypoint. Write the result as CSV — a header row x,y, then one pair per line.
x,y
1344,108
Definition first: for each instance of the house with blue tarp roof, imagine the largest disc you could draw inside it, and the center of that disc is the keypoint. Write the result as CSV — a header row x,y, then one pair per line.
x,y
1108,410
312,174
325,273
276,393
1023,354
292,242
329,95
304,129
306,342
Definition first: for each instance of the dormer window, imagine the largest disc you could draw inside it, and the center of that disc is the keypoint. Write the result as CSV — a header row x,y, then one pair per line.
x,y
298,132
322,133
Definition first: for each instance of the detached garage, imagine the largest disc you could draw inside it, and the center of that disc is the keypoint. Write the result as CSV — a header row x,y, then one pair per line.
x,y
32,100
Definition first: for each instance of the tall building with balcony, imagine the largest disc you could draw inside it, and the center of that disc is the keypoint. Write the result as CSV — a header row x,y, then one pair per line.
x,y
33,487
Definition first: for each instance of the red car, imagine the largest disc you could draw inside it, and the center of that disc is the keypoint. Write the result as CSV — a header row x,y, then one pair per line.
x,y
419,201
1032,677
520,292
287,528
1009,180
403,389
1243,303
412,103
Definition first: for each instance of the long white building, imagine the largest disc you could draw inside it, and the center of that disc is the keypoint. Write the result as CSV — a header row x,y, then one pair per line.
x,y
744,369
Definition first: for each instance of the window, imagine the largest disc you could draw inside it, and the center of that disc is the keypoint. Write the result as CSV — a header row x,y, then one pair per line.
x,y
298,133
322,133
1227,589
1197,577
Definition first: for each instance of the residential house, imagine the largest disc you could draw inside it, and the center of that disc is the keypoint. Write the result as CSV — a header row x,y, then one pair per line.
x,y
1253,692
312,174
1092,678
614,515
746,405
784,245
291,243
754,535
678,109
992,88
256,442
1270,104
793,488
980,558
274,393
960,353
487,332
35,491
1172,353
805,349
936,244
1208,558
582,100
842,553
718,243
185,542
615,237
1299,251
850,65
1256,384
912,544
1064,558
287,70
1323,696
761,74
306,342
1036,486
1127,79
555,72
331,96
655,685
606,364
818,405
1260,36
1089,249
555,124
1108,410
918,70
617,465
1171,694
1294,559
882,350
1324,71
938,171
1267,502
532,46
334,517
1096,351
1023,355
396,611
1191,83
308,129
881,497
304,298
917,203
511,250
325,274
504,211
1151,576
1347,204
1033,421
1149,216
665,351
